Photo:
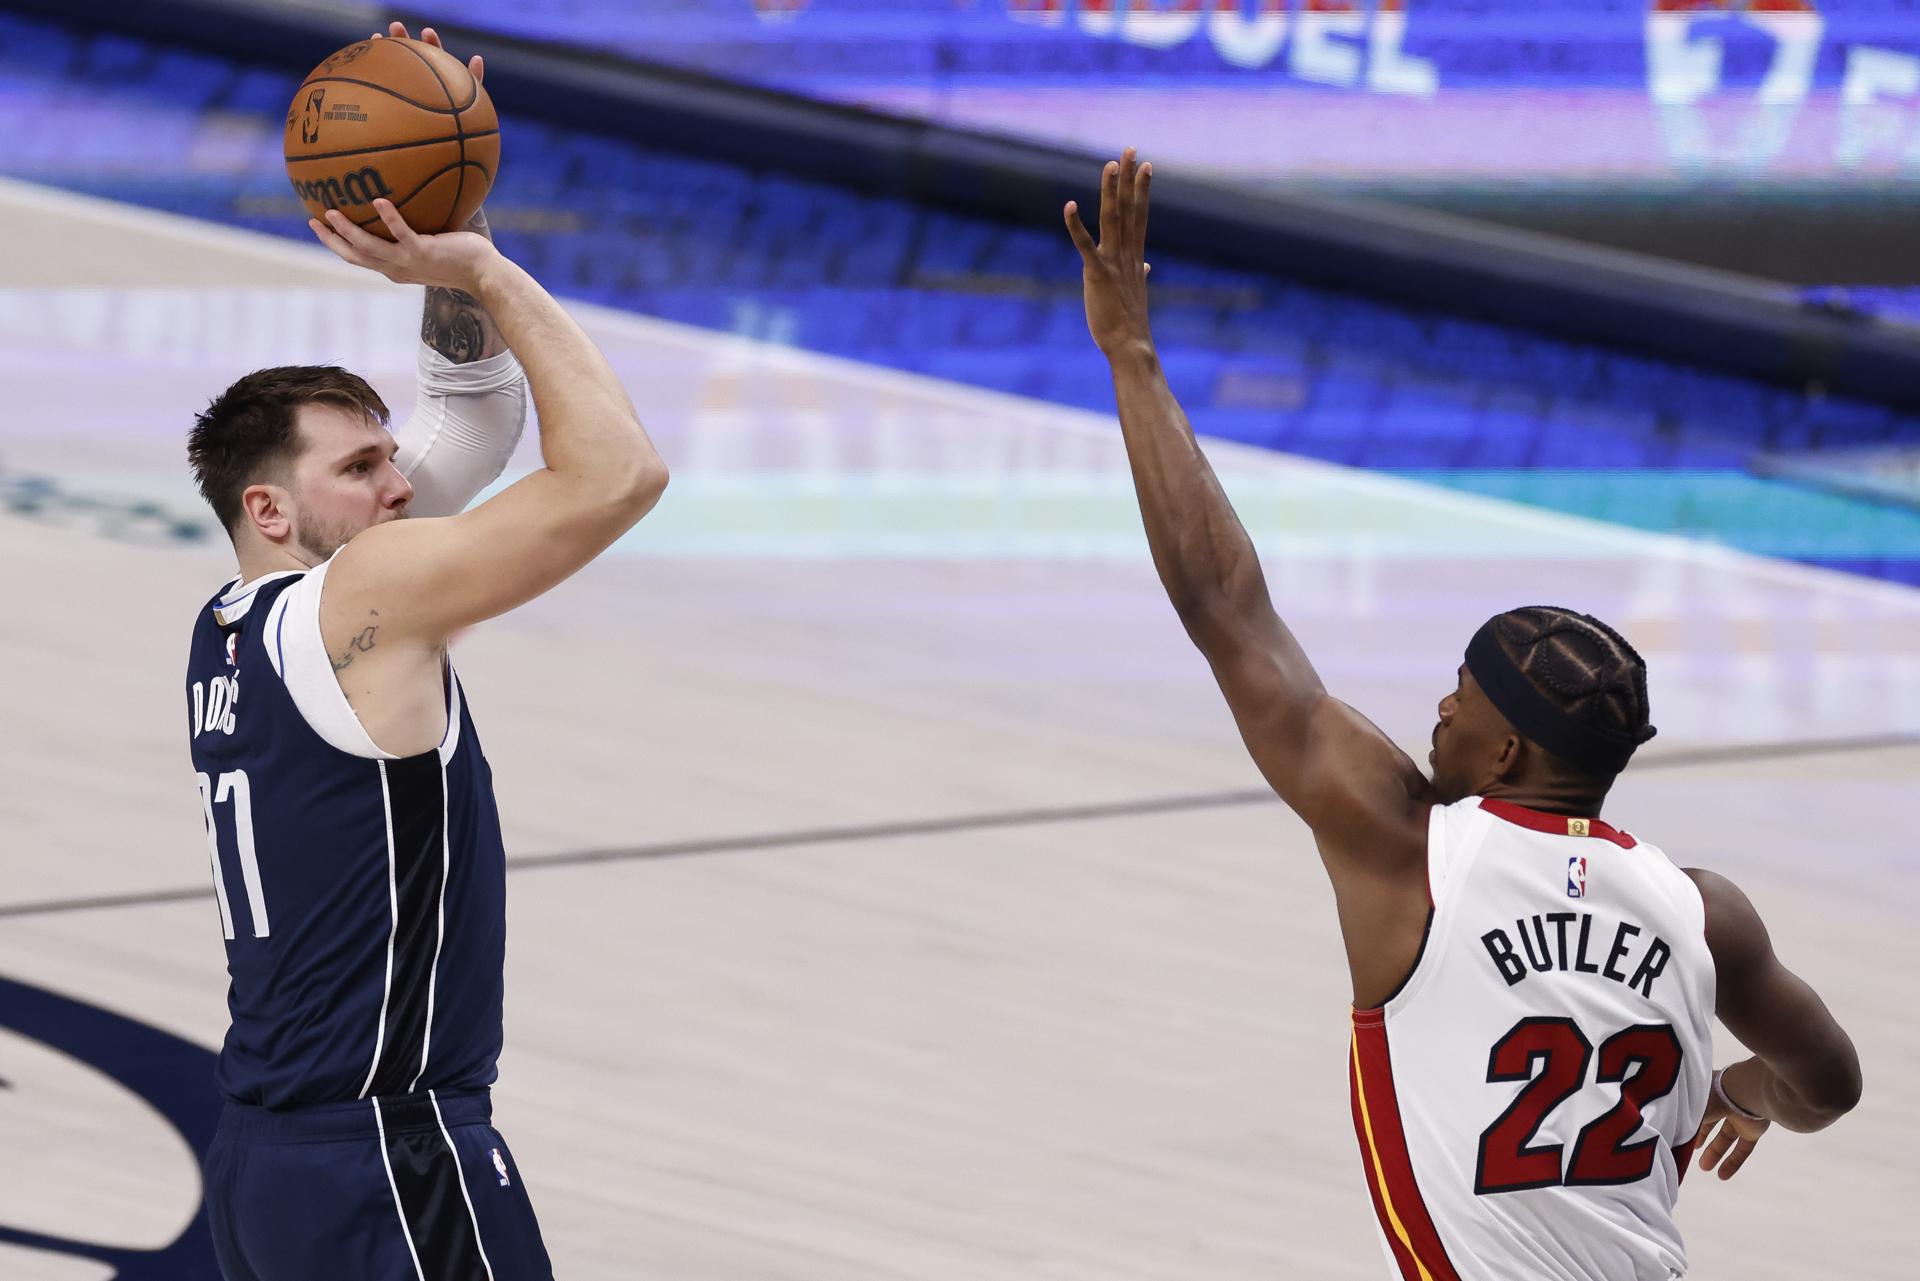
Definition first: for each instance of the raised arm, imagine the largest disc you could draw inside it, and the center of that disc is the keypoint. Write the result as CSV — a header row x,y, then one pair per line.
x,y
454,323
1364,798
1804,1073
426,579
470,404
469,407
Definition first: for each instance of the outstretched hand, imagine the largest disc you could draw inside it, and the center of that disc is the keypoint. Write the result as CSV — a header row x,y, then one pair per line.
x,y
1114,278
452,260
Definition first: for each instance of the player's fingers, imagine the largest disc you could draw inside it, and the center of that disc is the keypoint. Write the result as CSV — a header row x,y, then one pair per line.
x,y
403,235
1123,184
328,229
429,36
1142,182
1737,1158
478,66
341,249
370,248
1078,230
1110,203
398,30
1716,1147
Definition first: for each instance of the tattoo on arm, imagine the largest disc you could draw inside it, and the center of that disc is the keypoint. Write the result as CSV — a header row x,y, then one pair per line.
x,y
454,323
360,644
458,327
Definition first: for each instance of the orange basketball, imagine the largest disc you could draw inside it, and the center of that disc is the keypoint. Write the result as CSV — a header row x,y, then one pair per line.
x,y
393,118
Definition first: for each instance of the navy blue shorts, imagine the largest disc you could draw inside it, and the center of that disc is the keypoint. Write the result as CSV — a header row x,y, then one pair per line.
x,y
415,1187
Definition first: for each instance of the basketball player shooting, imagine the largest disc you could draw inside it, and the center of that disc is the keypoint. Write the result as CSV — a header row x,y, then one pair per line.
x,y
1533,988
356,848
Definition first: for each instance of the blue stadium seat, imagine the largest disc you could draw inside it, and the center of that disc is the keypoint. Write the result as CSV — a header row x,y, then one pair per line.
x,y
1254,358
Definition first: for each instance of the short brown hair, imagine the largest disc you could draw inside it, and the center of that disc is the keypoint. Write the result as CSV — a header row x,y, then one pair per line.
x,y
249,431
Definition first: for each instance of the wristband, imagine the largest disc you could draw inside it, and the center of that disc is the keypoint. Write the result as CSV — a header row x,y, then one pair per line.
x,y
1726,1101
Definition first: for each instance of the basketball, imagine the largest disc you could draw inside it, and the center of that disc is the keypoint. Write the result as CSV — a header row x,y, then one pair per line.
x,y
394,118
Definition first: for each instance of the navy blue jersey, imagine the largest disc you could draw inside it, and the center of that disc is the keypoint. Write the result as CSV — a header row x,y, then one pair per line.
x,y
363,896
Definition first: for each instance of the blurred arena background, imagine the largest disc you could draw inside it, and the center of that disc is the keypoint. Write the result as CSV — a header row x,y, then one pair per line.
x,y
910,908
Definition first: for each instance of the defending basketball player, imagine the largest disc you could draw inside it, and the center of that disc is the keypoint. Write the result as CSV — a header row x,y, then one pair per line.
x,y
350,816
1533,988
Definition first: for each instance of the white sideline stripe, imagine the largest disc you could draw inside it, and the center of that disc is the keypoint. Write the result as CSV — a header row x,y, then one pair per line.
x,y
1619,539
439,938
464,1194
393,928
380,1122
450,741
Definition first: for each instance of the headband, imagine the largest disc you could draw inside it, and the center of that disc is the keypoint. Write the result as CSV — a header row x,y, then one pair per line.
x,y
1572,736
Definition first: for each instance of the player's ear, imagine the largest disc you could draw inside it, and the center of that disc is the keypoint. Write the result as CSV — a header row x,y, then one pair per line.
x,y
1508,761
268,509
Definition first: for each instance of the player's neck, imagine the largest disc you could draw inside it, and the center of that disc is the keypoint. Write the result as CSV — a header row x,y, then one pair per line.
x,y
1571,801
259,560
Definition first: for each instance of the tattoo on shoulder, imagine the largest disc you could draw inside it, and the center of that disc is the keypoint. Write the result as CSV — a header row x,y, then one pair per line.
x,y
363,642
457,326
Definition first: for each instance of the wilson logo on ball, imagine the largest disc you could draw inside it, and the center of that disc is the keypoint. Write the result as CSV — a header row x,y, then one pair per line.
x,y
356,188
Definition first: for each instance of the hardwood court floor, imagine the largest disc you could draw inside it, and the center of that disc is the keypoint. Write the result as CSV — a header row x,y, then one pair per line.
x,y
890,897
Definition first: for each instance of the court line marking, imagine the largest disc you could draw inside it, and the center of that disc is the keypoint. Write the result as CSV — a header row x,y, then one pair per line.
x,y
1682,758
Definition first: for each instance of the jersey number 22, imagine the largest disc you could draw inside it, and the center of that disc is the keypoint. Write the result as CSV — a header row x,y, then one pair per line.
x,y
1644,1059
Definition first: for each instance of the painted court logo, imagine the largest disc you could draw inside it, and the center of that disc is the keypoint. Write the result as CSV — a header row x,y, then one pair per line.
x,y
175,1079
1577,877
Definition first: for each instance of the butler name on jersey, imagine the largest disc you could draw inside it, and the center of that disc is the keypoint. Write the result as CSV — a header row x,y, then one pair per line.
x,y
1526,1103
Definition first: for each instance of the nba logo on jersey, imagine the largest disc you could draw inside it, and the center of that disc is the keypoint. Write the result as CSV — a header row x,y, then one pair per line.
x,y
500,1168
1576,877
233,650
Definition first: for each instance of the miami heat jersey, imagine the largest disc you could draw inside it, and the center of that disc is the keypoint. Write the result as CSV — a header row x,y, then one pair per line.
x,y
363,896
1526,1104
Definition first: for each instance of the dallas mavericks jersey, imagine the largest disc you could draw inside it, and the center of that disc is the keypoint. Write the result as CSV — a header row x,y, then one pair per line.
x,y
1526,1104
363,896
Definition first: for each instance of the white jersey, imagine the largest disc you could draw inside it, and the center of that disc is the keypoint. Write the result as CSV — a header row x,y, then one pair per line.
x,y
1526,1104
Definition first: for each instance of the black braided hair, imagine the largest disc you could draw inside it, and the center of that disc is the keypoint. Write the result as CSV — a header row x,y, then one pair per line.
x,y
1588,669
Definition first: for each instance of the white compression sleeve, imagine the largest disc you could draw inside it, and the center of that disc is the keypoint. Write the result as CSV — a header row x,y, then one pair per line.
x,y
465,425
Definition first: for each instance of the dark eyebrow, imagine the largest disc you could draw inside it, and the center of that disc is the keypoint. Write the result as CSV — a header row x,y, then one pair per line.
x,y
387,450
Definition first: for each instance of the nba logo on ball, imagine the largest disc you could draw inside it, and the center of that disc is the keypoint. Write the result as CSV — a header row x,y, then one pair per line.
x,y
1576,877
500,1168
